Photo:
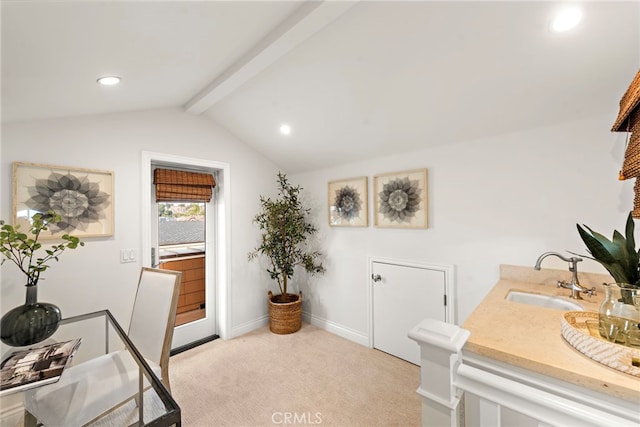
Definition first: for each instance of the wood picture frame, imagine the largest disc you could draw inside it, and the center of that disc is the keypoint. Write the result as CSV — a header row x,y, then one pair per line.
x,y
400,199
82,197
348,202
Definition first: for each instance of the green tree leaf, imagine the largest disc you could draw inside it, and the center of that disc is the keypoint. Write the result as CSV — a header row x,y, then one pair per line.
x,y
285,231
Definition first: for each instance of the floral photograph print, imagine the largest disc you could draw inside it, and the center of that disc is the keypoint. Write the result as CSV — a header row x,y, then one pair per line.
x,y
82,197
400,199
348,203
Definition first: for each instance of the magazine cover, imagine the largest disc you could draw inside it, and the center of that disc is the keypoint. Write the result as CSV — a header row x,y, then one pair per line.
x,y
34,367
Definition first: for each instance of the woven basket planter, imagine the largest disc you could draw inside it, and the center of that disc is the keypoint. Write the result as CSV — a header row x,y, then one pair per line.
x,y
285,313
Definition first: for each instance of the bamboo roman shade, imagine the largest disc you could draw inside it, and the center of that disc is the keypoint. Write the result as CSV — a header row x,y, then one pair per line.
x,y
183,186
628,120
628,104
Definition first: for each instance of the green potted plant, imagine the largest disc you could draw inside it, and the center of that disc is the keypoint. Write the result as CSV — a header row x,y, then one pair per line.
x,y
32,322
618,255
284,243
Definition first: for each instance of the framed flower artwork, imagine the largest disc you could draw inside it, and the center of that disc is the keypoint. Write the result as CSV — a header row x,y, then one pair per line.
x,y
82,197
400,199
348,203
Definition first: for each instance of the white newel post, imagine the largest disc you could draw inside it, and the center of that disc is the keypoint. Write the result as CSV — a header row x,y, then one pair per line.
x,y
440,355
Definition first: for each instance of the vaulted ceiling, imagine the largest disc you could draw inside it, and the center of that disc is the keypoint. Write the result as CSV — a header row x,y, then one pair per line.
x,y
354,80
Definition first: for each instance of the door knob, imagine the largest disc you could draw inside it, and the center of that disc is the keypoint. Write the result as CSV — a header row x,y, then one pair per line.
x,y
376,277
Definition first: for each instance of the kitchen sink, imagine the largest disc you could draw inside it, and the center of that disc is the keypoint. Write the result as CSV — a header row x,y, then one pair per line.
x,y
547,301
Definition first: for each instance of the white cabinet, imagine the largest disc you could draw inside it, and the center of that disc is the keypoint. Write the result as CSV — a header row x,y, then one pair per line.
x,y
402,294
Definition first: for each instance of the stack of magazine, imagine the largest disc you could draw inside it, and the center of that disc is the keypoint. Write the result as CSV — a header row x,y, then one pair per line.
x,y
25,369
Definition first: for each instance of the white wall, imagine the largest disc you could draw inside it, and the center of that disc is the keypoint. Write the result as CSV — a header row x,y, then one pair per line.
x,y
500,200
92,278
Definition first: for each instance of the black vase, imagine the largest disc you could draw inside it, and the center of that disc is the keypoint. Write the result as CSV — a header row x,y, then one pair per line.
x,y
29,323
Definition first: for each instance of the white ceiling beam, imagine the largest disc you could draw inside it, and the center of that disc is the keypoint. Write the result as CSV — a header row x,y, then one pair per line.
x,y
307,20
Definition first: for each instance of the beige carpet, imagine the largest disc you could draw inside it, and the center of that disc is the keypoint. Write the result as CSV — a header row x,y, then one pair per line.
x,y
311,377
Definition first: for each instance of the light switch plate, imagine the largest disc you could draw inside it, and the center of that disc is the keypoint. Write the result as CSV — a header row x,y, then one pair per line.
x,y
127,255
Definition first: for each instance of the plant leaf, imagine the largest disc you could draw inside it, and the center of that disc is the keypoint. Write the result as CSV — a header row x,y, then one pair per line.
x,y
618,255
596,247
629,232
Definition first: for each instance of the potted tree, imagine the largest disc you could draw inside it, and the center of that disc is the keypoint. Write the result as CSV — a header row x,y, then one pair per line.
x,y
284,243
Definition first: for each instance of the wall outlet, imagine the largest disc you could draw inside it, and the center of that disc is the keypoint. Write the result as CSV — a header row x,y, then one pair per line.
x,y
127,255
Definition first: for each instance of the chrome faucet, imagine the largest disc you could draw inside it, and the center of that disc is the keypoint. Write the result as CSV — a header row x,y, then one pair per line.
x,y
574,285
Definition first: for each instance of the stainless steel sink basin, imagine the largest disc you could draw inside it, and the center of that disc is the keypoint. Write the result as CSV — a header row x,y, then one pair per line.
x,y
547,301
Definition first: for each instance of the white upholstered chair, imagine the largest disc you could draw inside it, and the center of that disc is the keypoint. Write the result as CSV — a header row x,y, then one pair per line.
x,y
93,388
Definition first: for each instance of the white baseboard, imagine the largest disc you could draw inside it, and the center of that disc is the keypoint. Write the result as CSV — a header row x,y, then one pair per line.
x,y
334,328
327,325
245,328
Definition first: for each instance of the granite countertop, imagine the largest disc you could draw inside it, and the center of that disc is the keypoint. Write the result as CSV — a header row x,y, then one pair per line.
x,y
529,337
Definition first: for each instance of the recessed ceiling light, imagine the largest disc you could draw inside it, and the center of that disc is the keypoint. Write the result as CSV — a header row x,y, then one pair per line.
x,y
109,80
566,19
285,129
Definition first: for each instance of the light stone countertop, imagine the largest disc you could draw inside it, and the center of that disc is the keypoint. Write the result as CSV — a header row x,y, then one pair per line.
x,y
529,337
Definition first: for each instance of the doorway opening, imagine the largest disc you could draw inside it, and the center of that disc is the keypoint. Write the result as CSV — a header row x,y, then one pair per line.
x,y
212,250
180,201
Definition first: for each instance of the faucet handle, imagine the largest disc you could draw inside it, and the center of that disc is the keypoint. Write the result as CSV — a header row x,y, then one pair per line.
x,y
591,292
573,261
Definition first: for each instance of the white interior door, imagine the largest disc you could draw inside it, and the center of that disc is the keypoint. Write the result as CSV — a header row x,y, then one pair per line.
x,y
402,297
215,263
